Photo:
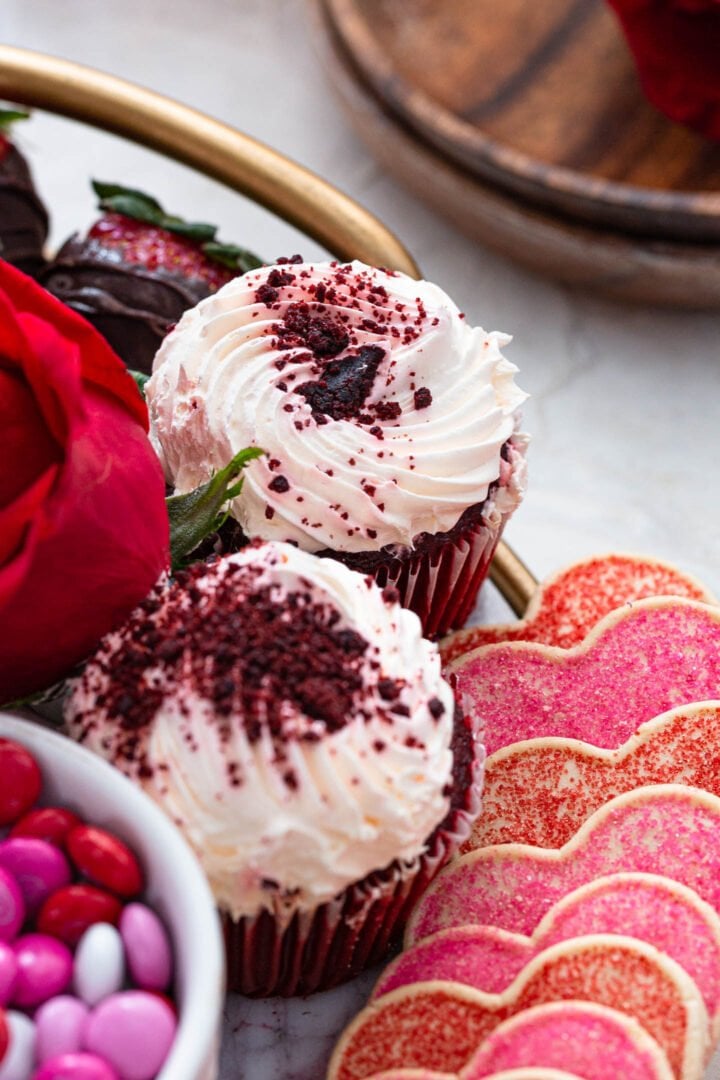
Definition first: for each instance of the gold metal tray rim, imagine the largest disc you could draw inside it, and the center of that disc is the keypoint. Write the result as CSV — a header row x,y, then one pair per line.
x,y
243,164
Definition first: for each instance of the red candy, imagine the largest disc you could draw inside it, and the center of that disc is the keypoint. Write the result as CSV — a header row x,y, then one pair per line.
x,y
4,1034
21,781
104,859
67,913
51,823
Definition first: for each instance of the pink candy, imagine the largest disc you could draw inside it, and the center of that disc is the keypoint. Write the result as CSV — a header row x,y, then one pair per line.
x,y
12,907
38,867
76,1067
44,969
134,1031
147,947
59,1025
113,1034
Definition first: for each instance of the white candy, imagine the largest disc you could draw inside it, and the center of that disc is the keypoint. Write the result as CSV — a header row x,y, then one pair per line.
x,y
19,1060
99,964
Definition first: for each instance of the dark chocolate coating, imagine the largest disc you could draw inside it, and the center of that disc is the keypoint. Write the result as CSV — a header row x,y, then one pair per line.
x,y
131,306
23,217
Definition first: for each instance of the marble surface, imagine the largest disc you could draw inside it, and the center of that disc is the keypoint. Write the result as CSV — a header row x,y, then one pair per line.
x,y
625,404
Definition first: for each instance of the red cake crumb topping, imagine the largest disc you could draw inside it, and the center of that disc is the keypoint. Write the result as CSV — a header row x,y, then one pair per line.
x,y
225,636
325,327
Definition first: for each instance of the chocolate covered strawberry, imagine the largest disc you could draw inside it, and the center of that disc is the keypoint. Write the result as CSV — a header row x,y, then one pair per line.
x,y
138,269
23,217
676,47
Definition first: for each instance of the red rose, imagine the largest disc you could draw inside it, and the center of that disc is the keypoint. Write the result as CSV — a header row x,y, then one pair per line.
x,y
83,522
676,46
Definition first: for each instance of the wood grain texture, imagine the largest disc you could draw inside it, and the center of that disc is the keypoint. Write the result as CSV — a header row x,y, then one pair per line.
x,y
537,98
616,264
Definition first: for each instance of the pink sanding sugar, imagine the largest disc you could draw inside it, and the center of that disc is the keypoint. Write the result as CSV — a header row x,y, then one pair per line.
x,y
588,1040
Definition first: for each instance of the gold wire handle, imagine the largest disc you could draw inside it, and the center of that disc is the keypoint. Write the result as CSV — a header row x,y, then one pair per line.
x,y
240,162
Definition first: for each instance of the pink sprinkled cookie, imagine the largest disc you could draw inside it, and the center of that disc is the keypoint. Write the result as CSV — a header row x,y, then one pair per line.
x,y
566,606
671,830
653,909
591,1040
636,663
440,1025
532,1073
540,791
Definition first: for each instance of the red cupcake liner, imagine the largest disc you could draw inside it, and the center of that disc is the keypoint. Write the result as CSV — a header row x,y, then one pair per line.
x,y
319,949
441,584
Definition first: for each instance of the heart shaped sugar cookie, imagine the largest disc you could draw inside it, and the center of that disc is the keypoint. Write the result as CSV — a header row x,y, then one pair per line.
x,y
540,791
441,1025
636,663
565,607
596,1042
670,830
653,909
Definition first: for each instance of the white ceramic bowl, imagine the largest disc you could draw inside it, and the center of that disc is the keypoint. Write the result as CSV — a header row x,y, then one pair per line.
x,y
175,884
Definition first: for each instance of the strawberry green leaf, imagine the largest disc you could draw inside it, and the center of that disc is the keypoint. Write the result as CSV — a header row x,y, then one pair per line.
x,y
140,379
199,513
10,116
232,256
141,207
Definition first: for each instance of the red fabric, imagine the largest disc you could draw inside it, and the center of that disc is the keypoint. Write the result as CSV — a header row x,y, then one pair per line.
x,y
676,46
83,524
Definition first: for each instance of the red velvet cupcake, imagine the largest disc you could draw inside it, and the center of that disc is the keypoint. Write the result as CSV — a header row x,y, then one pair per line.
x,y
289,717
390,425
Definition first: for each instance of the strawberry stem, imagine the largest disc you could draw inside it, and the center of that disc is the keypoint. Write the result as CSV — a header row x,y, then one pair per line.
x,y
196,515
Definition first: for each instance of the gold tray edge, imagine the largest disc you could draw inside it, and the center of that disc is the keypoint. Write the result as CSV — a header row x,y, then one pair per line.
x,y
243,164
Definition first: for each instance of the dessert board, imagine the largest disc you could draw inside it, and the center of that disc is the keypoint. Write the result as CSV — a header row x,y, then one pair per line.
x,y
267,1035
593,187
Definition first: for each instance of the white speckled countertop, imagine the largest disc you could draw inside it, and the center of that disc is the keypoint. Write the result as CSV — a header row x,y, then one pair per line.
x,y
625,408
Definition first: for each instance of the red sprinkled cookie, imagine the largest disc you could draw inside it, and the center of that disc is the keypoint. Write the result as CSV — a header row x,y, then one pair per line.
x,y
541,791
566,606
440,1025
669,830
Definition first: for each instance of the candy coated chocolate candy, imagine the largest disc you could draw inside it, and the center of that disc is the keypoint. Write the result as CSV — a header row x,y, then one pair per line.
x,y
104,859
67,913
132,1030
59,1026
8,972
4,1034
12,907
76,1067
147,947
44,969
51,823
38,867
21,781
17,1064
99,963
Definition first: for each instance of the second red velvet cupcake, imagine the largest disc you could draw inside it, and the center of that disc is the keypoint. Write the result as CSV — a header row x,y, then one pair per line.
x,y
287,714
390,425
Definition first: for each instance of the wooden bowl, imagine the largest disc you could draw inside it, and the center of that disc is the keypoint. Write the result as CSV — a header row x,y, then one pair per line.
x,y
526,125
243,164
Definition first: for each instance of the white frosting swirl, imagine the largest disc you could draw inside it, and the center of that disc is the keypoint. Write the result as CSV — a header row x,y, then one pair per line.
x,y
361,796
225,378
